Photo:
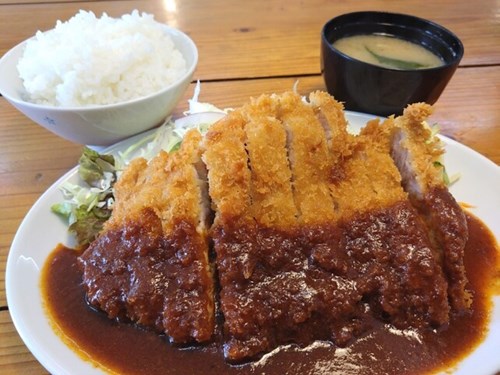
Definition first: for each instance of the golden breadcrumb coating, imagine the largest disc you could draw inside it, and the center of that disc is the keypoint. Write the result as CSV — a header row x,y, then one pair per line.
x,y
370,180
271,190
227,164
128,185
182,196
140,186
309,159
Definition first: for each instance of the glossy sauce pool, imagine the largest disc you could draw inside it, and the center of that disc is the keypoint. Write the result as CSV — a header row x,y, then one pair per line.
x,y
128,349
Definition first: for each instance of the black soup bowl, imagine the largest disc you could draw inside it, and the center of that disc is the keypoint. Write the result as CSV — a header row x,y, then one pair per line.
x,y
369,88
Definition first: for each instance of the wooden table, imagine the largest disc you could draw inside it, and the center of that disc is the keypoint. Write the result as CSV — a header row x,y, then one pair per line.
x,y
246,48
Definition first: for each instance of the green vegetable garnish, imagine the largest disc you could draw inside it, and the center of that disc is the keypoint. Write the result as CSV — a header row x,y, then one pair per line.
x,y
92,166
88,205
176,147
87,225
434,132
446,179
396,63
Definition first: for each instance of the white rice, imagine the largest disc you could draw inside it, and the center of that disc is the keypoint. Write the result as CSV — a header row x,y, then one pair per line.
x,y
94,61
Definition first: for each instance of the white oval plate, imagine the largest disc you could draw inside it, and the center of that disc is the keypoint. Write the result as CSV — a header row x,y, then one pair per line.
x,y
41,231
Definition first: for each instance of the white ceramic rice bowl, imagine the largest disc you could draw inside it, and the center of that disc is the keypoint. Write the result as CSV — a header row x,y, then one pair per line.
x,y
100,124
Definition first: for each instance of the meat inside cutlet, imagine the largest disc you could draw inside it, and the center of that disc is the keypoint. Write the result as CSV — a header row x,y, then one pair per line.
x,y
150,264
417,153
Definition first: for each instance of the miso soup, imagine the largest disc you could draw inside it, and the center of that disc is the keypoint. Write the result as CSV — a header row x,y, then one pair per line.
x,y
388,51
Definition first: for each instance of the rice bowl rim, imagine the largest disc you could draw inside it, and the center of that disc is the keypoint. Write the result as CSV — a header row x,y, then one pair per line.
x,y
186,41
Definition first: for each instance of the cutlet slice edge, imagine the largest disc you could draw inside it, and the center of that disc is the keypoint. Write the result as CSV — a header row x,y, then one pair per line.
x,y
309,160
271,190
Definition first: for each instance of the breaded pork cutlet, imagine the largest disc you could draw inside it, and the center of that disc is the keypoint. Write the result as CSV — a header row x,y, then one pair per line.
x,y
386,236
417,153
380,235
316,232
150,264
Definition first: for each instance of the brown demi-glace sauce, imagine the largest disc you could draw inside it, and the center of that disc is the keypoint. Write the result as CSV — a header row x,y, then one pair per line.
x,y
128,349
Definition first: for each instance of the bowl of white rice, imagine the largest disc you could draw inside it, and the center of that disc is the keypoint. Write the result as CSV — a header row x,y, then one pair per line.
x,y
97,80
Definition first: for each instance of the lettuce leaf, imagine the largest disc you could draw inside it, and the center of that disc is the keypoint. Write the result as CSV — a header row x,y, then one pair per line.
x,y
88,205
94,166
88,224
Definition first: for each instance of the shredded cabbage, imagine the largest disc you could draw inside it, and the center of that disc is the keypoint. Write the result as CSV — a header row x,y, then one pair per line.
x,y
196,106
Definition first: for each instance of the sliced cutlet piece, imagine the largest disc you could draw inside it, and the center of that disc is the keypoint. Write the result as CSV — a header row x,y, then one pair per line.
x,y
150,263
389,254
330,114
309,160
133,235
227,163
371,180
189,301
233,230
417,154
271,190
